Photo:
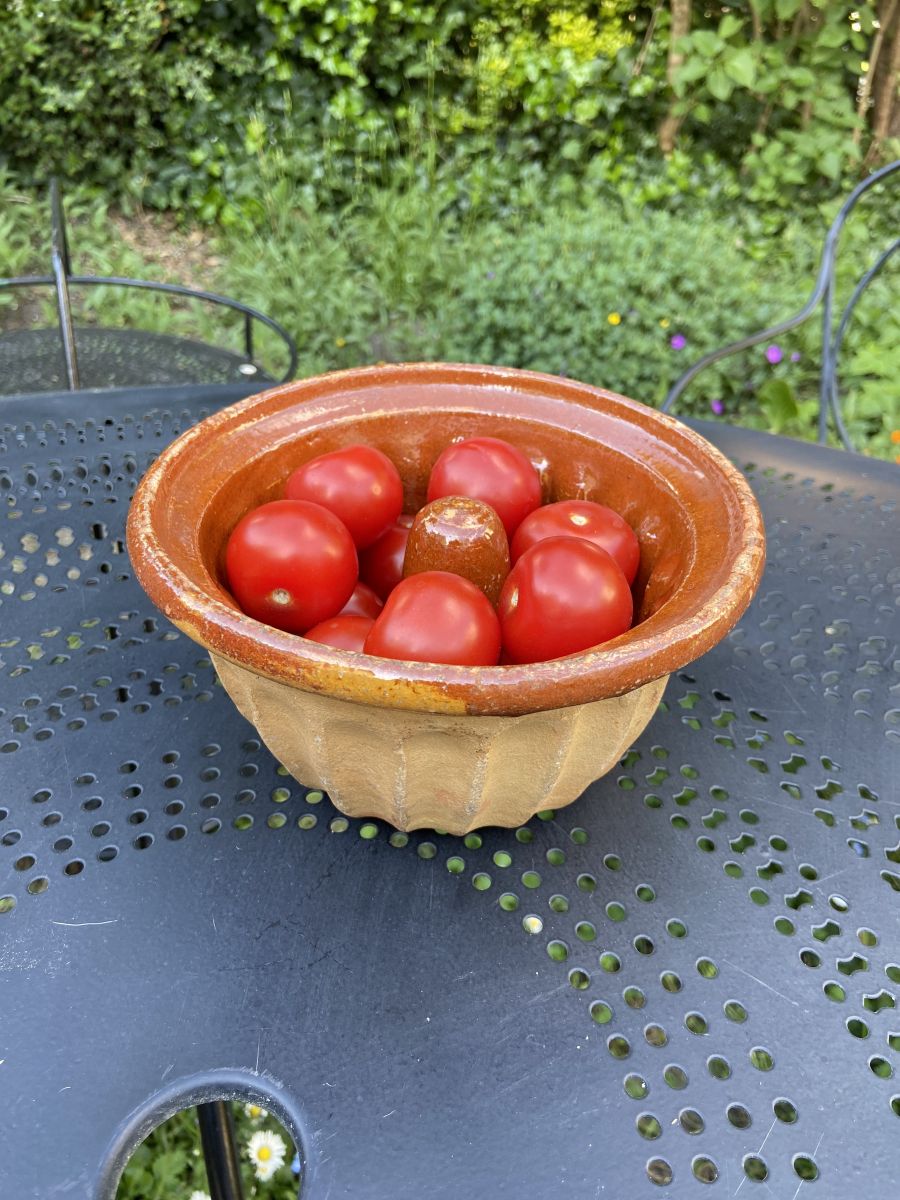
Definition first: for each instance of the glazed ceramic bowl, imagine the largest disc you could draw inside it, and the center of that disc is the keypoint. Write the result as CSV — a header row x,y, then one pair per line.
x,y
423,745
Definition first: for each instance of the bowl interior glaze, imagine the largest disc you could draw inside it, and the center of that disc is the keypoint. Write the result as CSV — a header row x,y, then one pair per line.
x,y
700,532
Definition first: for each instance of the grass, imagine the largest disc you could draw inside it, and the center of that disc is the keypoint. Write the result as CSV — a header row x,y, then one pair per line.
x,y
587,289
168,1164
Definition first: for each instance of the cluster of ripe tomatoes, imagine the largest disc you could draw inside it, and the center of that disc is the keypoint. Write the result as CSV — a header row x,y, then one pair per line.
x,y
327,562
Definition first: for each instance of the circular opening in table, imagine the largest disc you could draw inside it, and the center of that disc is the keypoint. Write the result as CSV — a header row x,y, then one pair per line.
x,y
269,1134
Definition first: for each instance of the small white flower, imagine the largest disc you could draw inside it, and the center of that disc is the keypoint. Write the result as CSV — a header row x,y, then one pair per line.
x,y
266,1151
255,1113
199,1196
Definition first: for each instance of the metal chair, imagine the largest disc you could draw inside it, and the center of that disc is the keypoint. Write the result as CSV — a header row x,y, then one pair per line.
x,y
832,338
38,360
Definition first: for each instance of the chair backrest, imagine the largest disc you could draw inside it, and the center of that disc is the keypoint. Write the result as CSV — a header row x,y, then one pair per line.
x,y
62,270
832,336
63,278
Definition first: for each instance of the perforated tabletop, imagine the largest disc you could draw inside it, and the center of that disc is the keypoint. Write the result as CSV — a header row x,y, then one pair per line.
x,y
32,360
683,985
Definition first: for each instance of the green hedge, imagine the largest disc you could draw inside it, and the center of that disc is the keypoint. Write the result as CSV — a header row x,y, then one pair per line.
x,y
187,102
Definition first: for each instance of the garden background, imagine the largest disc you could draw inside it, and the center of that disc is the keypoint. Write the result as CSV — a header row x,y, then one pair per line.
x,y
604,190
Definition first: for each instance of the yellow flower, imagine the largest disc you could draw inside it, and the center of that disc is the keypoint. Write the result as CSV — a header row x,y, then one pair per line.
x,y
664,323
614,318
340,342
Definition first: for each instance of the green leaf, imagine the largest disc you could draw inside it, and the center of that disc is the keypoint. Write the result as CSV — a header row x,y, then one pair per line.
x,y
719,84
729,25
803,77
169,1165
705,42
777,400
741,67
692,69
832,36
785,9
830,164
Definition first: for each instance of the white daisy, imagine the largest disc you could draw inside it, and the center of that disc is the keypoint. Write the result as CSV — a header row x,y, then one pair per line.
x,y
266,1151
255,1113
199,1196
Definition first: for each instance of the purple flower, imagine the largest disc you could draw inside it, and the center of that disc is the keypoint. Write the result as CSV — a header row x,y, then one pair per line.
x,y
717,406
773,354
795,356
489,275
295,1165
678,342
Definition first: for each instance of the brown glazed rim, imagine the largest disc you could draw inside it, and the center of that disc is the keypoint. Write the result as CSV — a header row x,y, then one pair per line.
x,y
726,565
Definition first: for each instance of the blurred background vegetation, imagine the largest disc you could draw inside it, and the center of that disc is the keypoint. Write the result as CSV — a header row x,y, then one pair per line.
x,y
547,183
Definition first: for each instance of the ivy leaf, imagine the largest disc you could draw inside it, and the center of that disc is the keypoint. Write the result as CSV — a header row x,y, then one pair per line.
x,y
691,70
719,84
706,43
741,67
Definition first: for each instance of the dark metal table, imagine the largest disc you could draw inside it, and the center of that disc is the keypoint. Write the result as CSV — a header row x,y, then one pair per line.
x,y
33,360
684,984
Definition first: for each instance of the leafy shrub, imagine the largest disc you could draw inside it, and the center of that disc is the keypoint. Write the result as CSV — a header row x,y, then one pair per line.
x,y
85,85
776,89
594,289
177,101
626,301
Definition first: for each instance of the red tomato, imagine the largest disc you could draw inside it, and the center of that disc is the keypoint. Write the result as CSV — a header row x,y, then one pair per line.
x,y
584,519
345,631
440,618
490,470
363,602
562,596
381,566
290,564
359,484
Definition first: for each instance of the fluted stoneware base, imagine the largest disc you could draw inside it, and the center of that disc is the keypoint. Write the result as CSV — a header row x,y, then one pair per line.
x,y
421,770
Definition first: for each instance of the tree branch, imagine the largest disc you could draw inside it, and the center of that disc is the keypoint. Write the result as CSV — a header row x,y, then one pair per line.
x,y
866,90
645,45
680,28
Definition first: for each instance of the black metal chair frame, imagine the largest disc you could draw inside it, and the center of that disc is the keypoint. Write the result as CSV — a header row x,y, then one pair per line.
x,y
832,337
63,278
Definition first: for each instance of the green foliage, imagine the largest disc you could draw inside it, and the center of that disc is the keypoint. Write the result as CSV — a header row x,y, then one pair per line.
x,y
585,290
182,102
86,85
169,1163
791,81
589,287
